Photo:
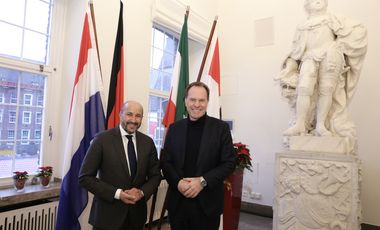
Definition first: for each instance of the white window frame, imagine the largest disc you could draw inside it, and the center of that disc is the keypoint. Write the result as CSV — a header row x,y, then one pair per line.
x,y
35,134
1,116
12,118
26,119
25,139
13,99
28,101
13,136
40,100
2,99
54,56
163,95
38,119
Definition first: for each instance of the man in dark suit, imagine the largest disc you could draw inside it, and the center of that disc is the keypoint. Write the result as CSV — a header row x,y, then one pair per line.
x,y
121,169
197,157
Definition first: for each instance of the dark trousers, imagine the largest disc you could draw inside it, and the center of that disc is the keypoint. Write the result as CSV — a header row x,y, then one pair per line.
x,y
190,216
131,222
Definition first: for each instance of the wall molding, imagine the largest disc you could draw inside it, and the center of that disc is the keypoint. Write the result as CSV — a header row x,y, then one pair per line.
x,y
170,13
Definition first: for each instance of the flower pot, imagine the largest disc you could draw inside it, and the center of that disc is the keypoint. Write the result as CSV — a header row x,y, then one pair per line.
x,y
19,184
232,200
45,181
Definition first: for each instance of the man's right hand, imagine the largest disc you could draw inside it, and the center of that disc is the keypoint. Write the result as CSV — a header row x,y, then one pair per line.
x,y
183,186
127,198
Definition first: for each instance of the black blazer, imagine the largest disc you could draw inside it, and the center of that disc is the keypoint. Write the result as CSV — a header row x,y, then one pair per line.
x,y
106,158
216,161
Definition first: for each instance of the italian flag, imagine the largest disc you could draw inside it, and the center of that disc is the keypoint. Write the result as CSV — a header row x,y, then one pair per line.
x,y
211,77
175,109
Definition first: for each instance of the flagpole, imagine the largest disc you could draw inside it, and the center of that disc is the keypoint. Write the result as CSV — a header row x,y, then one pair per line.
x,y
95,33
207,48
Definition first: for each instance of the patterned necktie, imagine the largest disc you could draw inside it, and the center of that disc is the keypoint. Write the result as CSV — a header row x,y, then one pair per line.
x,y
132,156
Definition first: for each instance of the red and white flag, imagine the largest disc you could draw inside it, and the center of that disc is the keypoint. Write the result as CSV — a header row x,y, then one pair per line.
x,y
211,77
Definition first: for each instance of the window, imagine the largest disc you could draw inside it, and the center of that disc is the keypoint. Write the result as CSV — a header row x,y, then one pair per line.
x,y
1,98
25,65
1,115
25,135
11,134
13,98
164,47
26,116
12,117
40,100
37,134
38,118
28,98
27,26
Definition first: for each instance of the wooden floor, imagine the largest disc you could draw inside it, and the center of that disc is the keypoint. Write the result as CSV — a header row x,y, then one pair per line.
x,y
247,221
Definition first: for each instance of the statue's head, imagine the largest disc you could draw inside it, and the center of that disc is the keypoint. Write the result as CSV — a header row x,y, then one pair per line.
x,y
315,6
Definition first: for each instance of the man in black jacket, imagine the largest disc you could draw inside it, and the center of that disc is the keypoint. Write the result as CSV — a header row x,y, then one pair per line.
x,y
197,157
121,169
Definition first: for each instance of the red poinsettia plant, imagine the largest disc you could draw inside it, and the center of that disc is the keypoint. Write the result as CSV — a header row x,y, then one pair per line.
x,y
243,158
45,171
20,175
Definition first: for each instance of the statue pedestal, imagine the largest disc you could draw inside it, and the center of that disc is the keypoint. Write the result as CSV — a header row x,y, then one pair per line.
x,y
320,144
315,190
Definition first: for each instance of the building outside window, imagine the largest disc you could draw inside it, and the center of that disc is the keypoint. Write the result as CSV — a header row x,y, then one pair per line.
x,y
11,134
28,99
37,134
40,100
13,98
24,69
164,47
26,117
38,118
12,117
25,136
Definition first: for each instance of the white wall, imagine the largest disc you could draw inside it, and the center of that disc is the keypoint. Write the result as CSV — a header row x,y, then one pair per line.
x,y
138,18
252,99
250,96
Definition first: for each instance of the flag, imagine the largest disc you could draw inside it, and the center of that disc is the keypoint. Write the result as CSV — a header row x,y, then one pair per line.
x,y
116,89
212,78
85,120
175,109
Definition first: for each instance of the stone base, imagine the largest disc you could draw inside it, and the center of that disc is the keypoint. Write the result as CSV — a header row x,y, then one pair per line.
x,y
316,191
320,144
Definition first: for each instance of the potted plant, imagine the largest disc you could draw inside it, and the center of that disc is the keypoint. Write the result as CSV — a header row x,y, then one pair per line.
x,y
45,173
19,179
233,187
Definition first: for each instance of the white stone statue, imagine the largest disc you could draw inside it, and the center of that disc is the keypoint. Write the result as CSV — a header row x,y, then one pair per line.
x,y
320,74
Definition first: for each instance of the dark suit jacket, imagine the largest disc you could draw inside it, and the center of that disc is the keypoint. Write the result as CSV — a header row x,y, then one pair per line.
x,y
106,157
216,161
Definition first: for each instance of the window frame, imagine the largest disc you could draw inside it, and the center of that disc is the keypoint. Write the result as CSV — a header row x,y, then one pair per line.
x,y
30,100
49,70
24,141
159,93
28,122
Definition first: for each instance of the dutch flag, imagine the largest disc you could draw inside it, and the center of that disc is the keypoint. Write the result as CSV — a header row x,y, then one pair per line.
x,y
86,119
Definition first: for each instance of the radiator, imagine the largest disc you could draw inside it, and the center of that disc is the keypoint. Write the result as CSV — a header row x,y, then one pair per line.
x,y
38,217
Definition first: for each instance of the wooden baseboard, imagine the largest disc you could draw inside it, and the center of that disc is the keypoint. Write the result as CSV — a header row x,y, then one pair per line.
x,y
370,227
257,209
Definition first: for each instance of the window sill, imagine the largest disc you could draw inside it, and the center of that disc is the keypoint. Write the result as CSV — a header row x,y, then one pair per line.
x,y
9,196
